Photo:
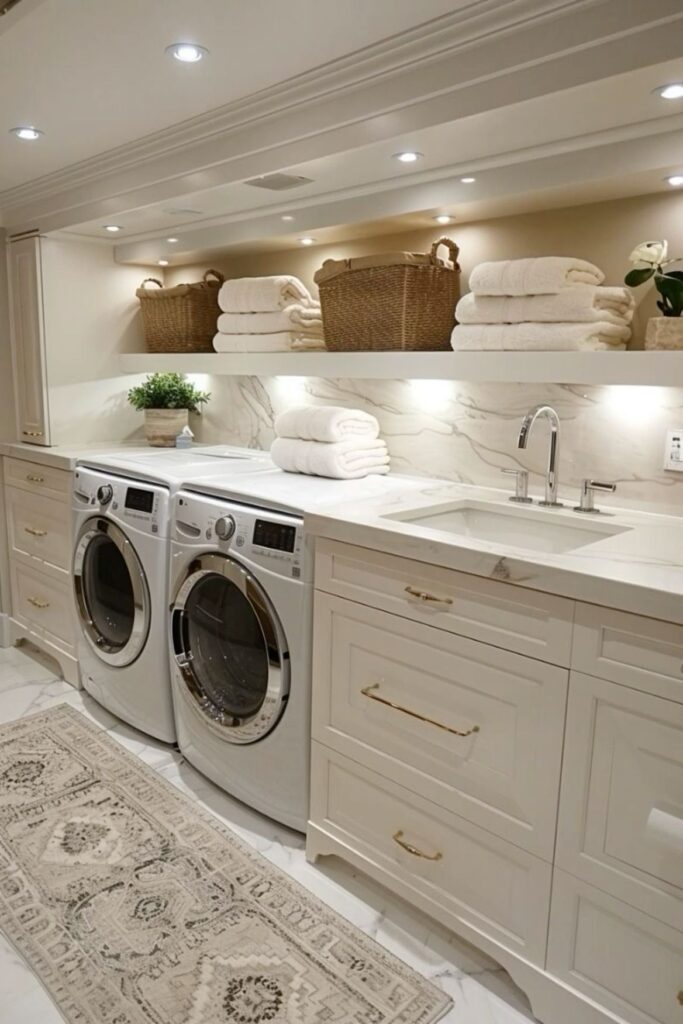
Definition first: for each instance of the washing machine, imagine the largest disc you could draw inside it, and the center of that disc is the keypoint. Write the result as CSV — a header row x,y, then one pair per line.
x,y
121,517
241,610
241,598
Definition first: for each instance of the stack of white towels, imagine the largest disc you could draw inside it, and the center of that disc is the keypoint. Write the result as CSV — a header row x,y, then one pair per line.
x,y
329,441
268,314
547,304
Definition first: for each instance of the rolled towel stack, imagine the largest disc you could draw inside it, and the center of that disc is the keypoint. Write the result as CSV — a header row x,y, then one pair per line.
x,y
268,314
329,441
548,304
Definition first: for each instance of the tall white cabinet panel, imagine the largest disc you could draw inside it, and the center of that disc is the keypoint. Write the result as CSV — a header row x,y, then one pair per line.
x,y
28,340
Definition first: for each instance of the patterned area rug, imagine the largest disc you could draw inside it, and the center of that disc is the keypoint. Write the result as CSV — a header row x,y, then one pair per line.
x,y
134,906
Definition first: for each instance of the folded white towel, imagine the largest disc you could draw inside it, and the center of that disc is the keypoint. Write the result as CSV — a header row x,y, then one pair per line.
x,y
579,304
539,337
287,319
262,294
345,460
283,341
543,275
329,423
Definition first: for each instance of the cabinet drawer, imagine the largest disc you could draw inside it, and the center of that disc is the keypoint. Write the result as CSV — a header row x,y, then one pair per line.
x,y
473,728
44,480
624,960
521,620
621,809
476,878
39,526
42,603
630,649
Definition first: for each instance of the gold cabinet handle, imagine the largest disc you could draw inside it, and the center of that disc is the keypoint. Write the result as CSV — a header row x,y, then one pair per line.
x,y
409,848
369,691
32,433
422,595
37,603
35,479
34,532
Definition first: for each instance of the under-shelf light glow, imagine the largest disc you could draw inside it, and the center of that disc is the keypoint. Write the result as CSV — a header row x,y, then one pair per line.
x,y
187,53
307,241
409,156
162,263
113,229
27,132
634,402
672,91
443,218
675,180
431,396
468,180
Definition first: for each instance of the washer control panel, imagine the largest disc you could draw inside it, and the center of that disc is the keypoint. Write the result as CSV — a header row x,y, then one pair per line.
x,y
274,540
144,506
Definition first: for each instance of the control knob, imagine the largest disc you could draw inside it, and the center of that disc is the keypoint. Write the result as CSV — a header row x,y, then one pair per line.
x,y
225,527
104,494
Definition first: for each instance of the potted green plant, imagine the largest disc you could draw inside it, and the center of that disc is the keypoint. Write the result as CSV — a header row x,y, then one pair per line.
x,y
651,259
166,399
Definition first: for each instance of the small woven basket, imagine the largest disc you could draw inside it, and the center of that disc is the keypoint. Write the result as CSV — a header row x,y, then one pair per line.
x,y
181,319
394,302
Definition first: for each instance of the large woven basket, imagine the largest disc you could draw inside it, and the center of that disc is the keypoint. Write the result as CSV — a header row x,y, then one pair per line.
x,y
181,319
401,301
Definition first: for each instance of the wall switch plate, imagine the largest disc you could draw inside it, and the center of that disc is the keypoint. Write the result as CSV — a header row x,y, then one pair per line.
x,y
673,451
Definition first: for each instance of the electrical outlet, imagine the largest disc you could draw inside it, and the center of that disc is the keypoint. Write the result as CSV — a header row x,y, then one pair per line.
x,y
673,451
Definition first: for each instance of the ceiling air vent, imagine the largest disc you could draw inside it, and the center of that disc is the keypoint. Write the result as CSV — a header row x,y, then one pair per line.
x,y
278,182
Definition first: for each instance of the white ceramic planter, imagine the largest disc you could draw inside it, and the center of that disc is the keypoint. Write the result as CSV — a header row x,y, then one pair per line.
x,y
664,332
162,426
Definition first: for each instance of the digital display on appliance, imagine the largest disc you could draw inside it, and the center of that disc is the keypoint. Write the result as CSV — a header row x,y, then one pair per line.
x,y
139,500
279,536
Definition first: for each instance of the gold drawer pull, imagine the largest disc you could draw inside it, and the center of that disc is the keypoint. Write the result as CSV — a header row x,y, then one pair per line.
x,y
368,691
409,848
422,595
37,603
32,433
34,532
35,479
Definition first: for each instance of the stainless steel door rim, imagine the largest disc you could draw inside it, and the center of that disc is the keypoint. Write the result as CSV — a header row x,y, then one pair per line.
x,y
112,653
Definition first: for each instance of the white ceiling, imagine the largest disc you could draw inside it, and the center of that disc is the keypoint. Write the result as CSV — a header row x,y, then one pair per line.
x,y
93,74
510,150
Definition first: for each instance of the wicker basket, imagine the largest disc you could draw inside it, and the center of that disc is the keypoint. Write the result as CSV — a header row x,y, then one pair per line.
x,y
395,302
181,319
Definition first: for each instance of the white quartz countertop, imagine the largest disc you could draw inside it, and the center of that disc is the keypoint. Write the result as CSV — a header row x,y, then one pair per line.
x,y
639,569
66,456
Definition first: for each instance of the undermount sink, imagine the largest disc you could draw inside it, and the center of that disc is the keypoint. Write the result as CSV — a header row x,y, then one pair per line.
x,y
521,527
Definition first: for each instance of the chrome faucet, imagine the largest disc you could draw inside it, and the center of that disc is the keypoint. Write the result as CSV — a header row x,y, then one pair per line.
x,y
552,476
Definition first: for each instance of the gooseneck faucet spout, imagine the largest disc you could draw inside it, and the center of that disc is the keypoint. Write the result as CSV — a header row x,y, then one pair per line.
x,y
552,476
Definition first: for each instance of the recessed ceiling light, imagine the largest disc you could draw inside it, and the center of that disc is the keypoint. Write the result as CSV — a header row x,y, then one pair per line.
x,y
287,216
113,228
672,91
407,157
27,132
171,241
163,263
187,53
468,180
307,241
443,218
676,180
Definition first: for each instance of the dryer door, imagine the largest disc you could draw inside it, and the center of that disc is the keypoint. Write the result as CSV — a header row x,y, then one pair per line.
x,y
111,592
230,649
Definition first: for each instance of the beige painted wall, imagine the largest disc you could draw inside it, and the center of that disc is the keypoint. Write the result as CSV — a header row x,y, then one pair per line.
x,y
604,233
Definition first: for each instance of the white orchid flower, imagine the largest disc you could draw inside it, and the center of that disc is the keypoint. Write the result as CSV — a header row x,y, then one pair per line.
x,y
653,253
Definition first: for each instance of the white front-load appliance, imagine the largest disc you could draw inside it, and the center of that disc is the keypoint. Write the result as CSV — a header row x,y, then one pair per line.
x,y
241,609
121,512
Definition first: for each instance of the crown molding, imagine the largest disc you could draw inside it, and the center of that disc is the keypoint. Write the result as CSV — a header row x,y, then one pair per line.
x,y
433,73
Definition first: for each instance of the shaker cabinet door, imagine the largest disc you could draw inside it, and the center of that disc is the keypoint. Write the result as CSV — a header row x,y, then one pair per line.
x,y
28,341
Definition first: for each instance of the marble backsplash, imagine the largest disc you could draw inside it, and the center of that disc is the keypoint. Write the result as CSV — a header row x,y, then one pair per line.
x,y
468,432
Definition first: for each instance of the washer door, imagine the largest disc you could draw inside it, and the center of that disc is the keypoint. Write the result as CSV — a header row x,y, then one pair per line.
x,y
111,592
230,649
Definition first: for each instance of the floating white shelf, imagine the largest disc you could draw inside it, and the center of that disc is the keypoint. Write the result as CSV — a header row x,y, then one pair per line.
x,y
658,368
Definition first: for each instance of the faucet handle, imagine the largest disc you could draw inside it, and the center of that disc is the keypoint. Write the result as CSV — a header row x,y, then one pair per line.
x,y
521,494
588,489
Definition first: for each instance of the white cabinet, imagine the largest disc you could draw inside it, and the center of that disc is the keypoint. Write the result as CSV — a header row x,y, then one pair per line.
x,y
28,340
439,724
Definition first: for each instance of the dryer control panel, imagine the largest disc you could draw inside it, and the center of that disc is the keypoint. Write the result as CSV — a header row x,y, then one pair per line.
x,y
273,540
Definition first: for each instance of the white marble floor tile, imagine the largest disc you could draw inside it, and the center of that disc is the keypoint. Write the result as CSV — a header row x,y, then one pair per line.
x,y
483,993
